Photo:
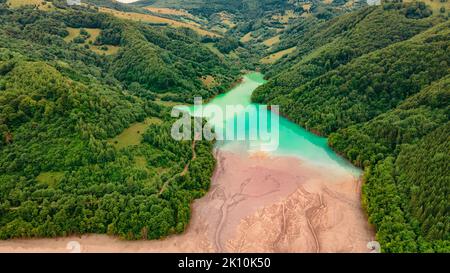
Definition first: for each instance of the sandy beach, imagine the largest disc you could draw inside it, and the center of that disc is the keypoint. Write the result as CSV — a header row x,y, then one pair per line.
x,y
257,203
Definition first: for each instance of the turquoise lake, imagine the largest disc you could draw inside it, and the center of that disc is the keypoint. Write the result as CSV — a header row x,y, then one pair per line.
x,y
293,140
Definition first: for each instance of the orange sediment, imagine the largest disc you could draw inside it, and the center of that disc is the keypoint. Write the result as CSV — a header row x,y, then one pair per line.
x,y
257,203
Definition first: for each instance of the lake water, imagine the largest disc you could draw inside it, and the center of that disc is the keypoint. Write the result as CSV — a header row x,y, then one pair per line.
x,y
293,140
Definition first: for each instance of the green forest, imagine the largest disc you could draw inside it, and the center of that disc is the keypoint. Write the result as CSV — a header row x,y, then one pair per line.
x,y
85,143
376,82
61,106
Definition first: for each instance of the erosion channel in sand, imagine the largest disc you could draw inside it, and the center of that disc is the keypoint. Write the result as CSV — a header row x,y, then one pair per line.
x,y
300,198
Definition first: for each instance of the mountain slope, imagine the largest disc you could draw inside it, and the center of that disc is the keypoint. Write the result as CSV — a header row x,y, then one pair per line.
x,y
376,81
341,39
406,146
249,8
176,60
85,149
361,89
85,143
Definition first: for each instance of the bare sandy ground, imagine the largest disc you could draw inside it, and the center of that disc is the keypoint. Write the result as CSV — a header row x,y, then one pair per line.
x,y
256,203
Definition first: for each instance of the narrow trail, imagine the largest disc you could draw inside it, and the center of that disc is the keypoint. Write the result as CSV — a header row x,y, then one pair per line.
x,y
185,169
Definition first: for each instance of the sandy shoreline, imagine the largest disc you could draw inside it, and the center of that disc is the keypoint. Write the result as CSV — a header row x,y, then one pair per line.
x,y
256,203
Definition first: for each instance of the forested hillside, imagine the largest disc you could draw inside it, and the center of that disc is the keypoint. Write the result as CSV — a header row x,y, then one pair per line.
x,y
408,148
75,85
248,8
85,142
376,81
341,39
165,60
258,31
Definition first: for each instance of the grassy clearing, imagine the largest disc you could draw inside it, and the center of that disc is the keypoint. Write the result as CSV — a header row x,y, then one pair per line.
x,y
307,7
228,23
140,162
94,33
226,19
73,32
19,3
50,178
215,50
218,29
158,20
167,103
169,11
284,19
435,5
233,55
42,5
349,4
247,38
133,134
208,81
270,42
276,56
110,49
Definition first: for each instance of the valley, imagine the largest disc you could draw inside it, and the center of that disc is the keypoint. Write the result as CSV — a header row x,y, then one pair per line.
x,y
87,155
320,210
